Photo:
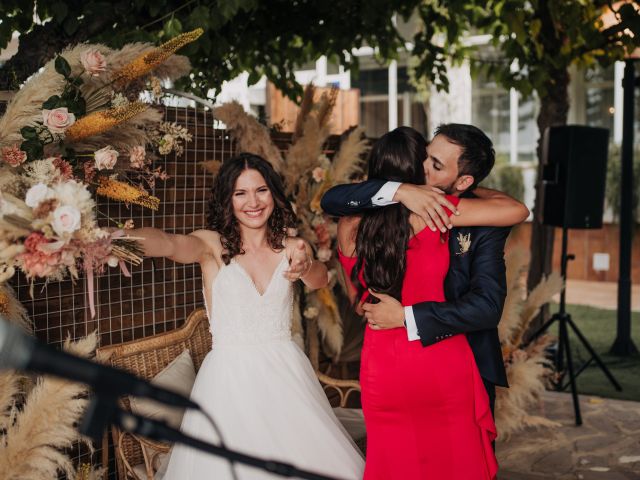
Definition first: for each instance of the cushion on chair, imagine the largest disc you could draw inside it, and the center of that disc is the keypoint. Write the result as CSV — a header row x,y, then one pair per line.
x,y
179,377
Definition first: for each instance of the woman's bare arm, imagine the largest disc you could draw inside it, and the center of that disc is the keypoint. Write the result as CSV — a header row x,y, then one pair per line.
x,y
190,248
491,209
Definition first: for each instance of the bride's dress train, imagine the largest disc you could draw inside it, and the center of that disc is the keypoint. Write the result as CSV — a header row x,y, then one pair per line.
x,y
261,389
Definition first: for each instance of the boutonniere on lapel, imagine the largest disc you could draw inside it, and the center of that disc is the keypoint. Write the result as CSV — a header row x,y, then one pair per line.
x,y
464,241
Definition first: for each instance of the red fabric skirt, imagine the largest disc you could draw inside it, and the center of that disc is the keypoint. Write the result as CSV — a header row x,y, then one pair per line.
x,y
426,410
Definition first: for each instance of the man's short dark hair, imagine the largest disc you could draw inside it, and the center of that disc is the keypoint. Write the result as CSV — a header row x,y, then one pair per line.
x,y
478,156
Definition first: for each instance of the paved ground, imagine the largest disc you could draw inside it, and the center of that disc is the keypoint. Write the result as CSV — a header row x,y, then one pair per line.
x,y
605,447
599,294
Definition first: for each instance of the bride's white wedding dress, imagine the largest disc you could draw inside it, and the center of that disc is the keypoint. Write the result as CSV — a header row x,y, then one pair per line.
x,y
261,389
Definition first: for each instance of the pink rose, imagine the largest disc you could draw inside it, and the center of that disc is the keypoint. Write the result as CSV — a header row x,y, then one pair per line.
x,y
106,158
58,119
93,62
137,156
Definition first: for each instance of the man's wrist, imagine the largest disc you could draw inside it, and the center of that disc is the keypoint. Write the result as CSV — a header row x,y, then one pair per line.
x,y
399,195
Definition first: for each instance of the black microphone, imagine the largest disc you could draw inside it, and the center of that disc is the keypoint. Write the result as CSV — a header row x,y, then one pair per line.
x,y
21,351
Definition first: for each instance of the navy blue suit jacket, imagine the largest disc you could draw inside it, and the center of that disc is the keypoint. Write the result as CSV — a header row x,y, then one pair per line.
x,y
475,286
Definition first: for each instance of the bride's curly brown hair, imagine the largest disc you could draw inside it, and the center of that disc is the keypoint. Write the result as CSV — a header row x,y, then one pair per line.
x,y
221,217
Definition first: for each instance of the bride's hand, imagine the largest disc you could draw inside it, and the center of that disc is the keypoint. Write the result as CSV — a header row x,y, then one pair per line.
x,y
299,262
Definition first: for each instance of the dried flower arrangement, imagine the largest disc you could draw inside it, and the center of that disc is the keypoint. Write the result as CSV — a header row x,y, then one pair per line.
x,y
85,100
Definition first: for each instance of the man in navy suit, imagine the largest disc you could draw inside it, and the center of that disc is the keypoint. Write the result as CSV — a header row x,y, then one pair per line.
x,y
457,159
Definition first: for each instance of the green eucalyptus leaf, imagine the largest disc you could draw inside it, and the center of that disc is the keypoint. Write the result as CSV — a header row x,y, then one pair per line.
x,y
62,66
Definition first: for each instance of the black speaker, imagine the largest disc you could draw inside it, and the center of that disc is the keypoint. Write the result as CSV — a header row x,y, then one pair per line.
x,y
574,175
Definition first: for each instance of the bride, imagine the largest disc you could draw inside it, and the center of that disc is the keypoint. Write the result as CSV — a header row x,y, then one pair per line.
x,y
256,382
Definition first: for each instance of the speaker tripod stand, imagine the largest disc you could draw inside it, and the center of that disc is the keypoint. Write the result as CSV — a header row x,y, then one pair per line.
x,y
564,345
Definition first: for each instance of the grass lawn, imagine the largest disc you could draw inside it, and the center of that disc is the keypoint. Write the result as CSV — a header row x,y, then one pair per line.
x,y
599,326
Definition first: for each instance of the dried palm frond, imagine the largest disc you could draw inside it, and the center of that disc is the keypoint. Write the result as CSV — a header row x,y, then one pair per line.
x,y
313,343
303,155
329,322
516,261
348,161
305,108
11,308
10,182
541,295
148,61
9,389
124,136
526,376
33,446
249,134
325,106
211,166
25,108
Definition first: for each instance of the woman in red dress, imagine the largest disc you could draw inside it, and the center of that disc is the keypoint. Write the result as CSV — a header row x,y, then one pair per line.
x,y
426,409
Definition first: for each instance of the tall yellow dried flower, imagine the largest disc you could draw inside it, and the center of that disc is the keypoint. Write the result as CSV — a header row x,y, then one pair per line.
x,y
98,122
148,61
123,192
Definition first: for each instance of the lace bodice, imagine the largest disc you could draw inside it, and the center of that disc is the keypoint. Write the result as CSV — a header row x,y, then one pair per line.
x,y
239,315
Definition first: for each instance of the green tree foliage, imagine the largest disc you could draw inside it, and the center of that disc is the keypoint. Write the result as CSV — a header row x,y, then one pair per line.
x,y
267,37
534,43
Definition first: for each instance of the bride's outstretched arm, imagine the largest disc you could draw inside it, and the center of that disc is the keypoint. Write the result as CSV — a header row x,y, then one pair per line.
x,y
190,248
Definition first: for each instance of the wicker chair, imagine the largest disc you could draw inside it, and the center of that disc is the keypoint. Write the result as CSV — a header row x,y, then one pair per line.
x,y
146,358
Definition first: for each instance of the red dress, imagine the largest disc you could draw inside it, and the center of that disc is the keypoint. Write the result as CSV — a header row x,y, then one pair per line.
x,y
426,409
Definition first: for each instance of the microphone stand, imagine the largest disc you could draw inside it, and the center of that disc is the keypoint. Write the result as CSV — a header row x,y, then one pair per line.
x,y
103,410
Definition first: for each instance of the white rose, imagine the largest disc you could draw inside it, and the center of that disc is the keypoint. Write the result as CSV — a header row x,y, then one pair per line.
x,y
106,158
113,261
66,219
36,194
58,119
324,254
93,62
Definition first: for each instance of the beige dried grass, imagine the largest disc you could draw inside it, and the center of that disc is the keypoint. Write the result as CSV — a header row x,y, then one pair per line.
x,y
526,374
348,161
26,106
303,155
249,134
32,447
305,109
12,310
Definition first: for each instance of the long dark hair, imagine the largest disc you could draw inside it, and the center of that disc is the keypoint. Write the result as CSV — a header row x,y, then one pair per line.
x,y
221,217
383,234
